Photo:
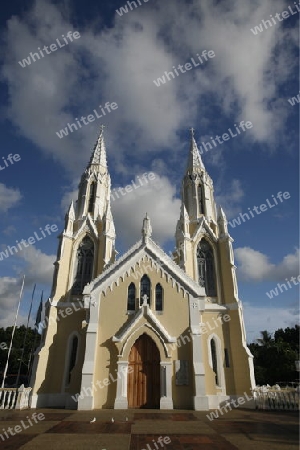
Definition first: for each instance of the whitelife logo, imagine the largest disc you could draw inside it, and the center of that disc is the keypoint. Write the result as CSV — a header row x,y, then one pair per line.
x,y
53,47
129,188
30,241
225,136
90,118
224,409
9,160
19,428
294,100
188,66
274,292
124,9
101,384
267,23
259,209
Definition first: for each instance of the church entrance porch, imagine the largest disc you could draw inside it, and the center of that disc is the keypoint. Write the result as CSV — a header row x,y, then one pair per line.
x,y
143,383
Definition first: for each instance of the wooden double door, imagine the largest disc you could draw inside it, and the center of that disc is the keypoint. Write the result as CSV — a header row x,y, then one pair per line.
x,y
144,374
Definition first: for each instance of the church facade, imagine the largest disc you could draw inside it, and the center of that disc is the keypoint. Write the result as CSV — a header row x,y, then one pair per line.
x,y
143,330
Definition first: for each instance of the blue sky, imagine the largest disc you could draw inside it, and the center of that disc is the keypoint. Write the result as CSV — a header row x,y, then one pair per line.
x,y
116,59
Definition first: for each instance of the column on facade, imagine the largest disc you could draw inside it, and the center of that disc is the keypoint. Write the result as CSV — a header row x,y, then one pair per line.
x,y
200,397
121,401
166,401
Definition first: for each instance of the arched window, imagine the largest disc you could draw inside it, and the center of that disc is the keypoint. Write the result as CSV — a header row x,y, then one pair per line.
x,y
73,355
200,199
214,359
131,297
145,289
92,197
159,297
206,269
84,271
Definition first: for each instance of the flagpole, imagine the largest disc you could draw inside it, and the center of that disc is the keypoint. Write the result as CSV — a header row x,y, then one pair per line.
x,y
38,318
12,335
25,336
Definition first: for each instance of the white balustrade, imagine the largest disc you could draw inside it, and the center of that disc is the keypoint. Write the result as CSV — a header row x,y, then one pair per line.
x,y
267,397
15,398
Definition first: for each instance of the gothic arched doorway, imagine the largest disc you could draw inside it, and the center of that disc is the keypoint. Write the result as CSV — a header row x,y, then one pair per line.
x,y
144,374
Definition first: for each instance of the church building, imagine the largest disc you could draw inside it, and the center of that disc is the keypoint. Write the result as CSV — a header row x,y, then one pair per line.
x,y
145,330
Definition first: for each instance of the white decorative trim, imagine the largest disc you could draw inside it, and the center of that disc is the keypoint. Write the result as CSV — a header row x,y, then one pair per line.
x,y
233,306
214,307
84,228
145,312
121,401
166,372
159,259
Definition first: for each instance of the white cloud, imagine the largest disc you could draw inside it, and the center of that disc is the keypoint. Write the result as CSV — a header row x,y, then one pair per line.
x,y
9,298
10,230
9,288
9,197
231,198
38,266
38,269
122,61
254,265
267,318
67,198
157,198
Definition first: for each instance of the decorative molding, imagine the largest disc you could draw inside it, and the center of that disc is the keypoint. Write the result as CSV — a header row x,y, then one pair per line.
x,y
144,312
85,228
159,260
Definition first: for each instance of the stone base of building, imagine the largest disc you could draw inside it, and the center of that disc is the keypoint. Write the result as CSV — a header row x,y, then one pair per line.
x,y
201,403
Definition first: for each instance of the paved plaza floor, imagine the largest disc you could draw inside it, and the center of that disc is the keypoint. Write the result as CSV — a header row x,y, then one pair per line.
x,y
147,430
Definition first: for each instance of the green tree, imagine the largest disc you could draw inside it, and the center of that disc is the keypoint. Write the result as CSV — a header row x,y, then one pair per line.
x,y
274,358
266,339
32,339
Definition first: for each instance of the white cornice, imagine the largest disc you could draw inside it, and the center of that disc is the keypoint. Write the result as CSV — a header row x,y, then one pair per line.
x,y
214,307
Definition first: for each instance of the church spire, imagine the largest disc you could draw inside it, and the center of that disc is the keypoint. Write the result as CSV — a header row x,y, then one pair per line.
x,y
194,159
94,187
98,156
197,206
